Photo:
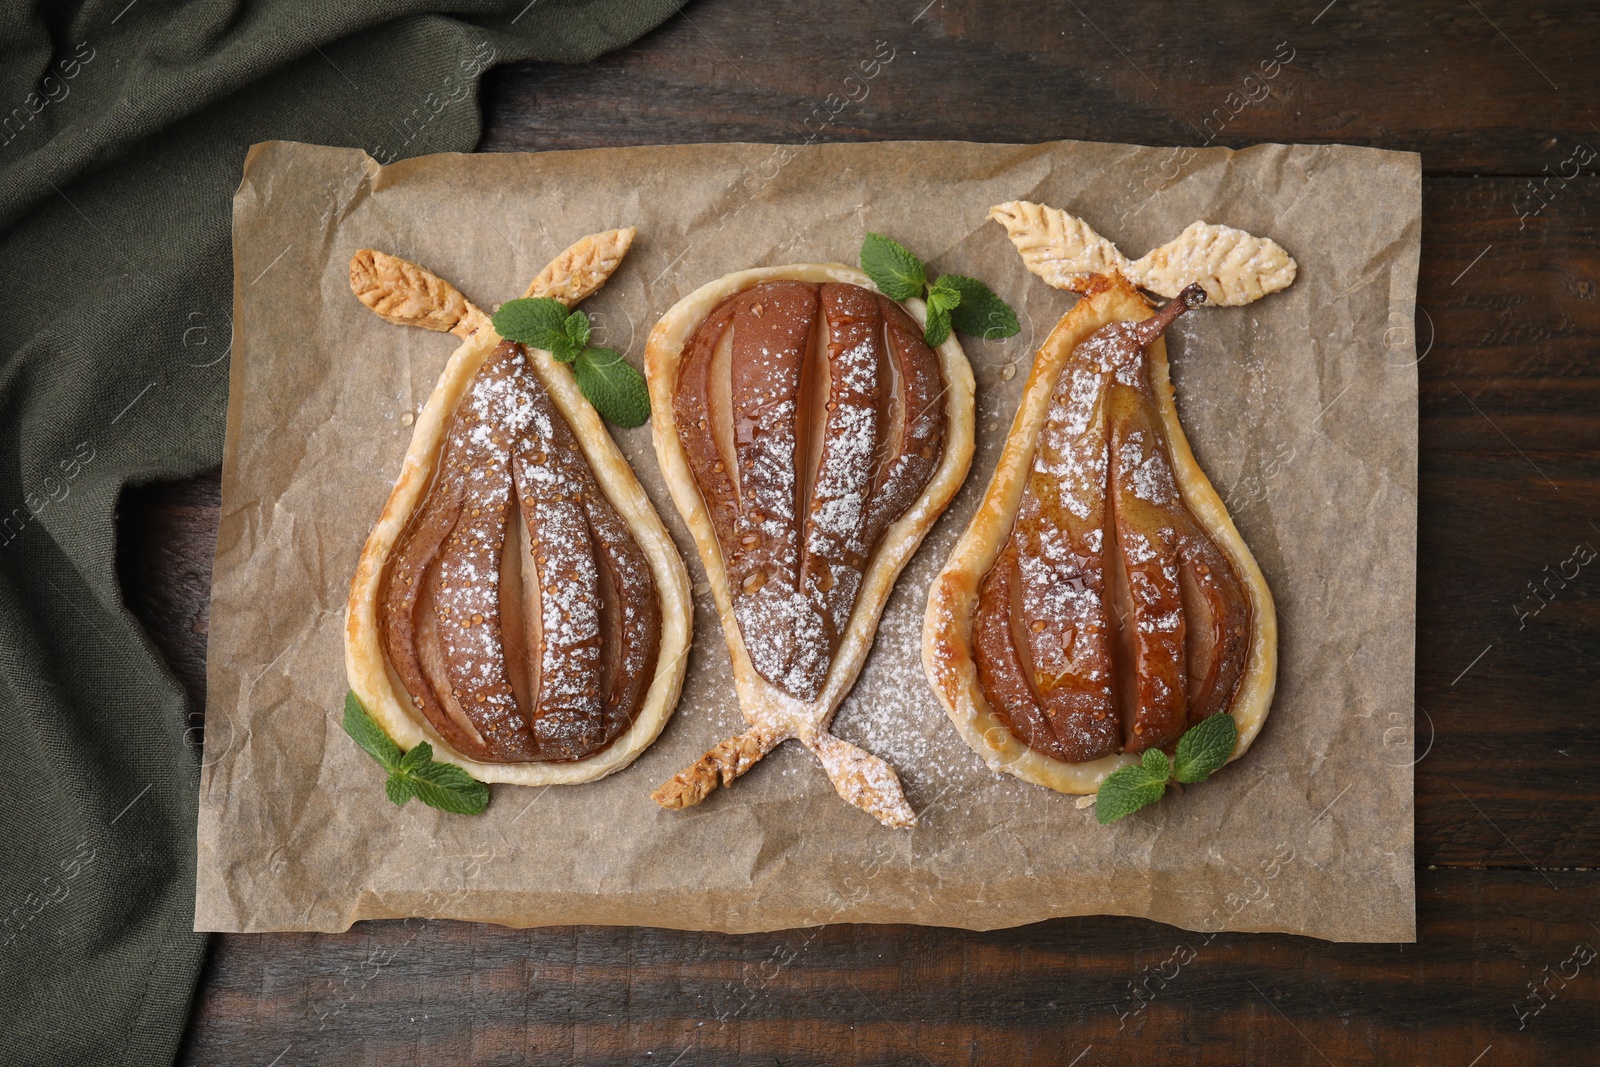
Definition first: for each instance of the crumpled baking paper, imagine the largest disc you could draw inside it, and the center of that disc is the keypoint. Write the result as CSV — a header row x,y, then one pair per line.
x,y
1301,408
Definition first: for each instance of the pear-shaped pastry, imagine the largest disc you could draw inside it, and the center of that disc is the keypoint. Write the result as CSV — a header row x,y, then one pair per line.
x,y
810,438
1101,601
519,603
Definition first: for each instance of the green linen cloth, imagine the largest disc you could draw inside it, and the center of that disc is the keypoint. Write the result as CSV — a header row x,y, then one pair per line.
x,y
123,127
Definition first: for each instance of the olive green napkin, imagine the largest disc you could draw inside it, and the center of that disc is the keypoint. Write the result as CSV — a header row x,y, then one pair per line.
x,y
123,126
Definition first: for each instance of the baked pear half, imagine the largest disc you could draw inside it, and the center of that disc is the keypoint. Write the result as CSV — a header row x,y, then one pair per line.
x,y
519,603
1101,600
810,439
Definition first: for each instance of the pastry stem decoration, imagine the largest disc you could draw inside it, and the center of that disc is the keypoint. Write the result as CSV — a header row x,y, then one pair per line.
x,y
1101,606
519,606
810,437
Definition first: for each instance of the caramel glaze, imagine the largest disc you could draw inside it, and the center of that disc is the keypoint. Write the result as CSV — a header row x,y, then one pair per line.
x,y
799,400
1111,621
518,611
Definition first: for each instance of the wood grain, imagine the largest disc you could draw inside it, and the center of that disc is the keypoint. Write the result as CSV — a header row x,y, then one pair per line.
x,y
446,992
1494,95
1479,88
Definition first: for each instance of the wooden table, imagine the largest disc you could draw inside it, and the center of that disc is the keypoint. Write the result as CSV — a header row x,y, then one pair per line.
x,y
1498,98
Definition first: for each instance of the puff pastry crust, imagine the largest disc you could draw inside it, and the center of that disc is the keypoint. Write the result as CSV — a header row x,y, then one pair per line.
x,y
409,295
1069,255
773,714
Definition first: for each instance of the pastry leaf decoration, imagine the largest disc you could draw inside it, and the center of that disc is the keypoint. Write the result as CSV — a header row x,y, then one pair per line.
x,y
954,300
1201,751
415,773
612,384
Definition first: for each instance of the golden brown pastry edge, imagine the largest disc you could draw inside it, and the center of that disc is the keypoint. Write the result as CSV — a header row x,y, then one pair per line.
x,y
374,681
952,599
763,704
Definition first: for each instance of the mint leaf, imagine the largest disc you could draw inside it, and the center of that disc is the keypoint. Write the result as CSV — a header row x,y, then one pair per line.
x,y
1125,792
943,297
1155,761
537,321
419,756
449,788
980,313
577,330
1205,747
399,789
368,734
937,328
617,391
897,273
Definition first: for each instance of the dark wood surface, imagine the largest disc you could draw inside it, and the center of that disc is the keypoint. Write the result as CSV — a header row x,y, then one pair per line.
x,y
1508,811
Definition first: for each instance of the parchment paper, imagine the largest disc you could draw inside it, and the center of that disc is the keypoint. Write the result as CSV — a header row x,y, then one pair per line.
x,y
1302,409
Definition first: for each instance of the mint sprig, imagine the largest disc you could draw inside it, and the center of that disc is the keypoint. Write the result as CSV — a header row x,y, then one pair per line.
x,y
1202,749
415,773
612,384
954,300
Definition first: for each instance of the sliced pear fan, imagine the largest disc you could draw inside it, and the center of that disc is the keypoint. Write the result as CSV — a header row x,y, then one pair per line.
x,y
519,604
810,438
1101,600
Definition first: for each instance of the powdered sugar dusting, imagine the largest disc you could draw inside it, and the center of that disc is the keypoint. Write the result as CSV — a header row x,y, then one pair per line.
x,y
1047,652
836,546
795,568
507,433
